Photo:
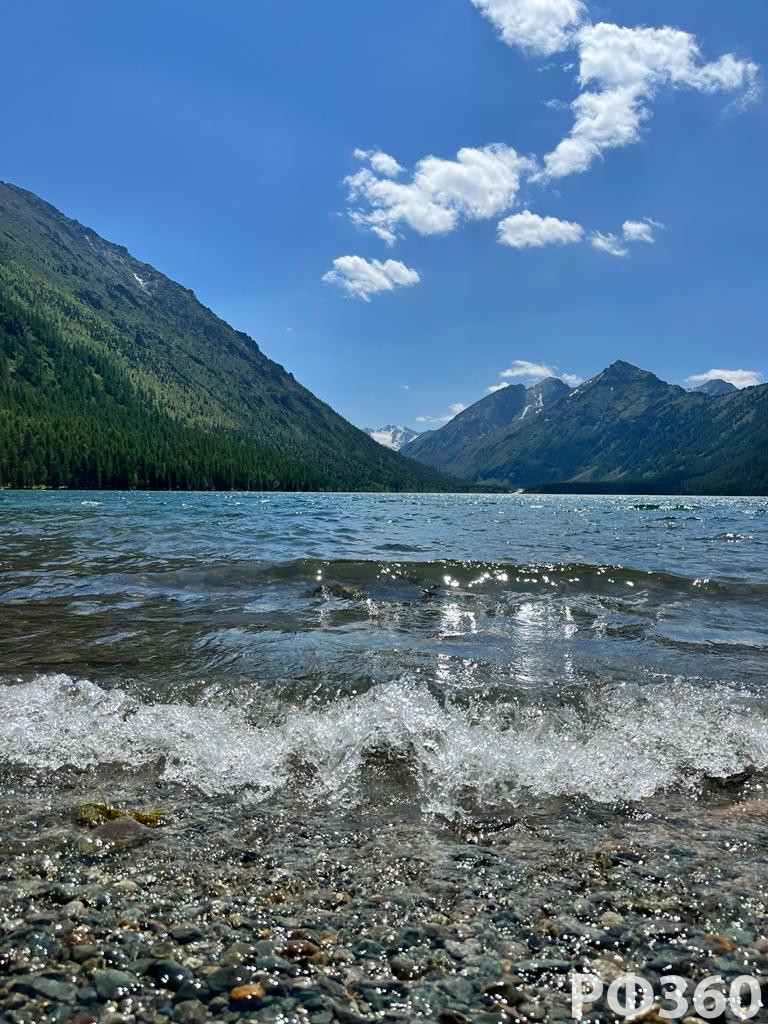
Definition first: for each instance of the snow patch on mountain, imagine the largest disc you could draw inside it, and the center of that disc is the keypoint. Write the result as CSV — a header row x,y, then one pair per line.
x,y
392,436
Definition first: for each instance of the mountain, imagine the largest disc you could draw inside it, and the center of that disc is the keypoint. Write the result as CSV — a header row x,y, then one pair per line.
x,y
624,429
496,411
112,375
391,436
716,387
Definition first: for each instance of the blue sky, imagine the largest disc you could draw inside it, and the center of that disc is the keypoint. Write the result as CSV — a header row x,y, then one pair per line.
x,y
214,141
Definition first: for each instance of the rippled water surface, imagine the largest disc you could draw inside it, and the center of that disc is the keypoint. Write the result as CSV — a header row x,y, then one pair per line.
x,y
431,654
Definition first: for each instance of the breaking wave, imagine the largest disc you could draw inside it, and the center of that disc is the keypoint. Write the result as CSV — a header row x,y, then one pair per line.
x,y
610,743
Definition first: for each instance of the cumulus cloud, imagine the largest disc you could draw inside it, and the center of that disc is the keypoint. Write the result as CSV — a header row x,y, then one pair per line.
x,y
529,230
497,387
383,163
609,243
478,184
362,278
571,378
620,71
537,26
739,378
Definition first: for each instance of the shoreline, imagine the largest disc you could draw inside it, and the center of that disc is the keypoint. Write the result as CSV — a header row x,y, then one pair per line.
x,y
299,915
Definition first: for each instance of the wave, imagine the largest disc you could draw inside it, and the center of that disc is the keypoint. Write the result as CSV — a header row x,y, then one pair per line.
x,y
611,743
398,581
446,575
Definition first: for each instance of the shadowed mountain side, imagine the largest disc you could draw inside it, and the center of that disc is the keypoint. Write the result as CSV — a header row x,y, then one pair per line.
x,y
623,426
495,412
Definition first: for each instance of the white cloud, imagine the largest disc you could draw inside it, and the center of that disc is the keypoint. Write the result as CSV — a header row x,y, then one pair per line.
x,y
531,373
362,278
620,70
625,68
537,26
383,163
456,408
478,184
526,369
529,230
639,230
739,378
614,55
608,243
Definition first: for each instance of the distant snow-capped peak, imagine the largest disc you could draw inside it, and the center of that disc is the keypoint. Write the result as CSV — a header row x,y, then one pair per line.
x,y
392,436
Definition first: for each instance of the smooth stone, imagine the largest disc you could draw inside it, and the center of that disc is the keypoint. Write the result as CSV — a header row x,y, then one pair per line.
x,y
224,979
532,1012
453,1017
120,834
403,967
458,950
184,934
190,1011
49,988
194,989
368,948
247,995
114,984
85,951
163,950
611,920
127,885
460,989
300,949
505,991
235,954
169,973
276,963
74,910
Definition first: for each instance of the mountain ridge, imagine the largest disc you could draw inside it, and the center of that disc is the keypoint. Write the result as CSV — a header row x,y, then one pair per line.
x,y
492,412
113,375
715,387
624,426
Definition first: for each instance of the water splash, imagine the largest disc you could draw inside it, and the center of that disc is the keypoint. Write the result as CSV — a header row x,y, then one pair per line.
x,y
614,742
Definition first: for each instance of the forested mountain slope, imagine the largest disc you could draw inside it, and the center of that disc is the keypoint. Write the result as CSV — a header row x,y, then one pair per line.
x,y
623,429
112,375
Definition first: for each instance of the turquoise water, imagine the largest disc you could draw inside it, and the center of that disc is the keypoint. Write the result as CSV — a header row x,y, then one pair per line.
x,y
439,652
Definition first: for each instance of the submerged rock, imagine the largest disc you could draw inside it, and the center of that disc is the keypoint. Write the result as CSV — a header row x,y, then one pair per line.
x,y
111,984
244,996
50,988
121,833
90,815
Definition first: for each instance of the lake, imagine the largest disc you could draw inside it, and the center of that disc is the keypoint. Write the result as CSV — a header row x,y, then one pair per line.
x,y
374,680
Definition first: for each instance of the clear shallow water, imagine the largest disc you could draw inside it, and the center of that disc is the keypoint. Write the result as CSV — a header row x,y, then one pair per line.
x,y
445,654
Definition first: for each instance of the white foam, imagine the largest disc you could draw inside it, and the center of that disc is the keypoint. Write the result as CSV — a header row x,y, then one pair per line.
x,y
623,742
